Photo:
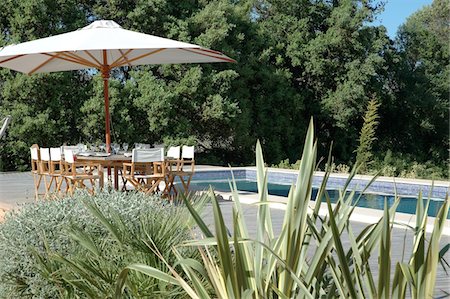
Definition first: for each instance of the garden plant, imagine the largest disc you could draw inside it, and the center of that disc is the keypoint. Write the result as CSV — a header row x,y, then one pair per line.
x,y
134,246
76,246
307,258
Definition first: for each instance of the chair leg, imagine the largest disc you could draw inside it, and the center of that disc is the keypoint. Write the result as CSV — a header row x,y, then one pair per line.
x,y
189,180
185,186
124,184
70,187
52,182
59,181
101,180
154,185
136,184
67,181
186,183
171,185
37,178
46,185
124,181
167,182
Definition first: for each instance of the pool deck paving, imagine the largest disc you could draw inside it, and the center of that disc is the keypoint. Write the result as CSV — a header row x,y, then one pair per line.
x,y
17,188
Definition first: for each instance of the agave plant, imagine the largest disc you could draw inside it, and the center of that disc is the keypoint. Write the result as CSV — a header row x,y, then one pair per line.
x,y
419,273
307,259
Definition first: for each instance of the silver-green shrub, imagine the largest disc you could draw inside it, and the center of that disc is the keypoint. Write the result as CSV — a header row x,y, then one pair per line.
x,y
37,245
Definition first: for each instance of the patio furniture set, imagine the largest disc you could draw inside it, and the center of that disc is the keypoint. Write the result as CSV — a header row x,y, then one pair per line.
x,y
66,168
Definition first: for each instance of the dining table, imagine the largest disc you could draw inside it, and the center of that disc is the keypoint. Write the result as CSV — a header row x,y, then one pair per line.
x,y
115,162
108,161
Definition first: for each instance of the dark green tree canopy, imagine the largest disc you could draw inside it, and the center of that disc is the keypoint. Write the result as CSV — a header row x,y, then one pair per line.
x,y
296,59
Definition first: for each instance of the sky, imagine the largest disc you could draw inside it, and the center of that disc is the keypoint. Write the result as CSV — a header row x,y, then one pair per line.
x,y
397,11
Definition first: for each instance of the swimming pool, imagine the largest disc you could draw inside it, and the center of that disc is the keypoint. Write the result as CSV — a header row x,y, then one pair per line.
x,y
373,201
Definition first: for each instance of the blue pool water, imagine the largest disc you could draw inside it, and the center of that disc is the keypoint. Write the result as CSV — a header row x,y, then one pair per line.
x,y
373,201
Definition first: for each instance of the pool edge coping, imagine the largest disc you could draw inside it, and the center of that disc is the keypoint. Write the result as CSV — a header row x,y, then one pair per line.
x,y
426,182
381,185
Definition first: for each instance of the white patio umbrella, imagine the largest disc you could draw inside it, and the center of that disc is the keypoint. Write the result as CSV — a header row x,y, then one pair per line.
x,y
102,45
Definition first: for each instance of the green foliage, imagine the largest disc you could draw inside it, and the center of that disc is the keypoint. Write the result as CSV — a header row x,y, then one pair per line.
x,y
367,135
286,164
307,259
332,56
393,165
296,59
415,121
44,111
77,246
148,104
399,164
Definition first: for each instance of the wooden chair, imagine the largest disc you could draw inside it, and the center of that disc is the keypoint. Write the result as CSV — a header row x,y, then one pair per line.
x,y
139,146
173,153
173,164
45,168
183,168
146,170
138,168
76,174
36,169
56,169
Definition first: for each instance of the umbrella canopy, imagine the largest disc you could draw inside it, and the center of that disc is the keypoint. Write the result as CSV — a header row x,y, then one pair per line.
x,y
102,45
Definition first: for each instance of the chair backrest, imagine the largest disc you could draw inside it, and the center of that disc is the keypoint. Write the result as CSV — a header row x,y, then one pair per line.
x,y
69,156
45,153
147,155
188,152
34,150
55,154
5,124
174,152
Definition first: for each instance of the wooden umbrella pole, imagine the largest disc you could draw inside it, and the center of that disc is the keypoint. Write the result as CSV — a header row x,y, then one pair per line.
x,y
105,75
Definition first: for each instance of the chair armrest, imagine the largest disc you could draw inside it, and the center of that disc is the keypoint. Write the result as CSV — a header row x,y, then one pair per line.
x,y
174,164
128,168
191,163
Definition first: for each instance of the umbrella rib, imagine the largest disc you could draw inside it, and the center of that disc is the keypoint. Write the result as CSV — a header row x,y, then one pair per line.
x,y
124,56
93,57
70,60
62,58
12,58
204,54
121,59
44,63
138,57
80,59
209,51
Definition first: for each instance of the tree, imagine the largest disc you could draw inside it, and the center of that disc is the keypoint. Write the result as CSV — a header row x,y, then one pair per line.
x,y
367,135
333,59
147,104
296,59
419,110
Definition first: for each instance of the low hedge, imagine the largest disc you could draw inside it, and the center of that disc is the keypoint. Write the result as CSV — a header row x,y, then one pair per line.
x,y
41,252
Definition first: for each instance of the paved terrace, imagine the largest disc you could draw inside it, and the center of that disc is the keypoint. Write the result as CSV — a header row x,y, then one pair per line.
x,y
17,188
